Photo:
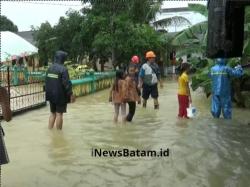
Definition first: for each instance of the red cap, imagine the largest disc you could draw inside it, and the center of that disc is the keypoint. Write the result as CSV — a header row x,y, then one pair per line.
x,y
135,59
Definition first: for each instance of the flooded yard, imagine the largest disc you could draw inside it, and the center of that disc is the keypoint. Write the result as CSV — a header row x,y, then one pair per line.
x,y
203,151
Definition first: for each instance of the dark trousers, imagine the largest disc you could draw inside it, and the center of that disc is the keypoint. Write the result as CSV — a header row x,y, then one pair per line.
x,y
131,110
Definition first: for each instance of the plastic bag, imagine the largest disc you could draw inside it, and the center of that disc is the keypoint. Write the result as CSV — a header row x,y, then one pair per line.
x,y
191,111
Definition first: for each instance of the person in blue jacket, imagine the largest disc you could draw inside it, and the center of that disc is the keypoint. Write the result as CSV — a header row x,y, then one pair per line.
x,y
221,87
58,89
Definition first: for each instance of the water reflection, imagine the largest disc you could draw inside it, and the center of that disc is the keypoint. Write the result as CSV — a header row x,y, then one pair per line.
x,y
60,149
182,123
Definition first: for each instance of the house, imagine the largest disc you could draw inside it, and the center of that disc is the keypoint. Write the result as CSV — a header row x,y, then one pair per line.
x,y
14,49
28,36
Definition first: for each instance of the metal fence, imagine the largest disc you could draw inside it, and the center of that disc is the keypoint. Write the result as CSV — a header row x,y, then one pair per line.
x,y
25,88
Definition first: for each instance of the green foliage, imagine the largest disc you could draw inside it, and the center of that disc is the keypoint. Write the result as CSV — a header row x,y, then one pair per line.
x,y
7,25
77,71
191,40
121,29
69,34
44,36
109,29
199,9
194,40
201,77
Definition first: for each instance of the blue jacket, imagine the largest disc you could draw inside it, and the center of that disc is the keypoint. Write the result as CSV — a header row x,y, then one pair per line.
x,y
58,86
220,75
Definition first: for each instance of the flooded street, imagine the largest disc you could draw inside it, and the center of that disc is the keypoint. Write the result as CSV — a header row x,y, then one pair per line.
x,y
203,151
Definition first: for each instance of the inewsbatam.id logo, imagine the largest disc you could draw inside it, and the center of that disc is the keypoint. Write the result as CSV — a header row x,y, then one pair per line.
x,y
129,153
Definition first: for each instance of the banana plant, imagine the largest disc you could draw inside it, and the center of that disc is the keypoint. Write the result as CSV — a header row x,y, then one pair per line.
x,y
194,36
189,38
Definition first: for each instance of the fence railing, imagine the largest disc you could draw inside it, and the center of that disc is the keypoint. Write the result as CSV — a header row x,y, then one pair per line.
x,y
92,83
26,89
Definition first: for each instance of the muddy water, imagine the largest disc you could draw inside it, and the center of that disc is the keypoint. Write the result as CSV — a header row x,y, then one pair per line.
x,y
203,151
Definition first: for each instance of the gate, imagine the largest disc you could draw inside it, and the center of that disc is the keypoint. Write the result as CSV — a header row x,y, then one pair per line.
x,y
25,88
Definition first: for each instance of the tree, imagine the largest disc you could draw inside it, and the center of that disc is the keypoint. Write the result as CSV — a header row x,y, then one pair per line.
x,y
109,29
7,25
119,31
69,33
44,35
144,11
196,35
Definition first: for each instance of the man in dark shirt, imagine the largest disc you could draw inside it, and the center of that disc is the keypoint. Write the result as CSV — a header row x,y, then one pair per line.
x,y
58,89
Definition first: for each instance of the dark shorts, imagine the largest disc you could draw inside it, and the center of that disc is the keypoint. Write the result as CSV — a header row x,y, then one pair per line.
x,y
58,108
3,152
149,90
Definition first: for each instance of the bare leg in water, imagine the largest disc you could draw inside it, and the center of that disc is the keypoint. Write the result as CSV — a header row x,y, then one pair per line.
x,y
156,104
52,120
56,118
59,121
116,106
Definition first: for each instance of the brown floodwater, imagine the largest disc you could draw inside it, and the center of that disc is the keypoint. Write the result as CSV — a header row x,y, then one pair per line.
x,y
203,151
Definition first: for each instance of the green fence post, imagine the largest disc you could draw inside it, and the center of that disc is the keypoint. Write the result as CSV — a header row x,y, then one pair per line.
x,y
26,75
92,76
15,75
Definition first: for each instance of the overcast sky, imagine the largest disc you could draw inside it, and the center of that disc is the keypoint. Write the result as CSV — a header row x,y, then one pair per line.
x,y
27,13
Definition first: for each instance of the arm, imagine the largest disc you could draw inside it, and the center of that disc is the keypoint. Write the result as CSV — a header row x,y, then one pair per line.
x,y
188,91
4,101
235,72
67,85
110,93
161,83
188,88
141,75
158,74
160,80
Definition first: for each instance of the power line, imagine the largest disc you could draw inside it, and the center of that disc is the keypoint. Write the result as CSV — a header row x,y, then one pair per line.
x,y
46,3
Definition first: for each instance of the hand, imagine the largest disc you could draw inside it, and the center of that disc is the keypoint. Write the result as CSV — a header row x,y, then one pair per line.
x,y
238,67
72,99
139,87
190,99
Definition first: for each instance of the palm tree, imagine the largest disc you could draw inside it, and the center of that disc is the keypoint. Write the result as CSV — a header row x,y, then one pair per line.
x,y
168,37
196,35
175,20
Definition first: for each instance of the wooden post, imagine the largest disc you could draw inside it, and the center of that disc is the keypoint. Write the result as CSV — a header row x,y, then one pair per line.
x,y
8,80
